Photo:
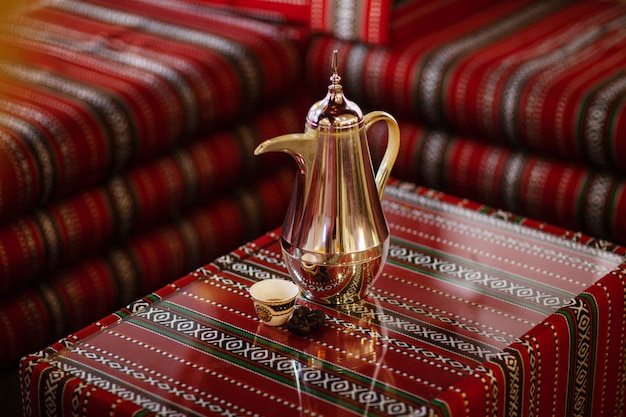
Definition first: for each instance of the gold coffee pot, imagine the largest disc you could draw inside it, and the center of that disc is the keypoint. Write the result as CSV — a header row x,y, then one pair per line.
x,y
335,237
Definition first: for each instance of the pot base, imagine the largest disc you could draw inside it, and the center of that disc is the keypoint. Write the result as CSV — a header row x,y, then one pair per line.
x,y
336,279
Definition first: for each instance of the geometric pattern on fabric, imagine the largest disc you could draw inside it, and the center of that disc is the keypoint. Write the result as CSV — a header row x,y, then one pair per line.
x,y
423,343
146,195
369,21
261,358
547,77
77,295
128,395
464,273
567,194
563,366
91,88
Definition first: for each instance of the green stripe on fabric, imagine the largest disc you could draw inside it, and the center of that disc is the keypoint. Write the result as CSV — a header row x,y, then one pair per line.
x,y
288,352
618,189
612,122
477,356
579,118
277,347
143,412
443,410
479,267
579,213
571,324
592,306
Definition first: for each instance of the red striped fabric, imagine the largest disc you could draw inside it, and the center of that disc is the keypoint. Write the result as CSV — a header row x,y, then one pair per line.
x,y
366,21
37,244
570,195
546,76
533,379
132,80
475,314
296,11
517,104
376,22
88,289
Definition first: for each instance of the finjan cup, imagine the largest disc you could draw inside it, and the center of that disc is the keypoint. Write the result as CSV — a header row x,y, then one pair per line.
x,y
274,300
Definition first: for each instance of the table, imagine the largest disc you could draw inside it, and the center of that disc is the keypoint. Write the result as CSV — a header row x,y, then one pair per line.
x,y
478,312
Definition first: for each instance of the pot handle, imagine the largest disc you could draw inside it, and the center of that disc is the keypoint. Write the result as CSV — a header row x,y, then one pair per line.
x,y
393,146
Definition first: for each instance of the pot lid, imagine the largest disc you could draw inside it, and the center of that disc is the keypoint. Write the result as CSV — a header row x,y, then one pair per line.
x,y
334,112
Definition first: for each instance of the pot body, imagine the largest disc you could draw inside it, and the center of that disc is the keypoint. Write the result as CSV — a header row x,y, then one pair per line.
x,y
335,236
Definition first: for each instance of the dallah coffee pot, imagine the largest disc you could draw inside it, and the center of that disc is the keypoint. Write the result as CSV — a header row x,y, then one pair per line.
x,y
335,237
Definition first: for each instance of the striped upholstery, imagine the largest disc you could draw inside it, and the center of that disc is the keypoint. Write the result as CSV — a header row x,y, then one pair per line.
x,y
119,150
353,20
474,316
151,193
522,101
532,377
130,85
296,11
127,130
71,298
371,21
557,192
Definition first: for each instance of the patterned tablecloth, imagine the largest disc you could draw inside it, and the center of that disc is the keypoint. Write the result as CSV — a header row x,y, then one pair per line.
x,y
477,312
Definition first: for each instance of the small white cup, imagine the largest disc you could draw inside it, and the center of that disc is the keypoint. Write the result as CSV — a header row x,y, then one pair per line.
x,y
274,300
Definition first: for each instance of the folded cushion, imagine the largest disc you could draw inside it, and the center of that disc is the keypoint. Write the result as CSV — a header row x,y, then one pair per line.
x,y
548,76
88,89
565,194
75,297
36,244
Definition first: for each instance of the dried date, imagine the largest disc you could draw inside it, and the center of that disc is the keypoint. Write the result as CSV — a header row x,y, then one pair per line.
x,y
304,319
